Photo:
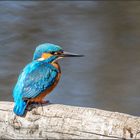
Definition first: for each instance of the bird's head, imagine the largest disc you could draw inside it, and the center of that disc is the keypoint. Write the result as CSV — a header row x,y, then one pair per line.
x,y
51,53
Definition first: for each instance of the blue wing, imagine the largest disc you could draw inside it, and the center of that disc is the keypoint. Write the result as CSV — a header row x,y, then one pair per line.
x,y
34,79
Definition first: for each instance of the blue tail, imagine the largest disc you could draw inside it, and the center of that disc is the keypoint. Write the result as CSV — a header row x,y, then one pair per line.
x,y
19,108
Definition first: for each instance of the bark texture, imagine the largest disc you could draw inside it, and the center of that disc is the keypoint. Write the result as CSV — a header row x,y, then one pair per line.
x,y
67,122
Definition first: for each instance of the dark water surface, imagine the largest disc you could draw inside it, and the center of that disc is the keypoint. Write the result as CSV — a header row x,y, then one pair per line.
x,y
108,33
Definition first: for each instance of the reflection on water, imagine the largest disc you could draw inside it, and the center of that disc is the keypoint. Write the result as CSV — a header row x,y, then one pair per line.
x,y
106,32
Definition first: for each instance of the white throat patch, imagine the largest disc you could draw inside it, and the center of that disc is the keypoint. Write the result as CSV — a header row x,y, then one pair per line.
x,y
40,59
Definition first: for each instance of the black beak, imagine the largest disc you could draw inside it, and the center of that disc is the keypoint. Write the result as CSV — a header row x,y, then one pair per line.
x,y
68,54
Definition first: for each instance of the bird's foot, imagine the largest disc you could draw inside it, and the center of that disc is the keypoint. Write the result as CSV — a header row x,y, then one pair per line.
x,y
44,102
30,107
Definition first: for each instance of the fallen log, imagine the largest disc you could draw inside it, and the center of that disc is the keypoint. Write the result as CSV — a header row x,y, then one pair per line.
x,y
67,122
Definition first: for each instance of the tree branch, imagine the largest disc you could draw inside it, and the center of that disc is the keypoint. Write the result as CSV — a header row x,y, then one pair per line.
x,y
67,122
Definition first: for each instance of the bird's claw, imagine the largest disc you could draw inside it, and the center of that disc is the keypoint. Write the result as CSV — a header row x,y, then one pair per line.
x,y
30,107
45,102
34,104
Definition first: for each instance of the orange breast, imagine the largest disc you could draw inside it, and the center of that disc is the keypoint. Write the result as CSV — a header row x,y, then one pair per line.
x,y
40,97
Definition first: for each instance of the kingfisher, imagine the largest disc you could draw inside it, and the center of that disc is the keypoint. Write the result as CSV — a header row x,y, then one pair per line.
x,y
39,77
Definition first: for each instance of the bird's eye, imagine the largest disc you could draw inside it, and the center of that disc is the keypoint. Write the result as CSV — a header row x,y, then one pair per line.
x,y
52,53
56,53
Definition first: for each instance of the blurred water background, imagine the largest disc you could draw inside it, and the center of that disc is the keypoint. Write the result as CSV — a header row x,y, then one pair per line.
x,y
108,33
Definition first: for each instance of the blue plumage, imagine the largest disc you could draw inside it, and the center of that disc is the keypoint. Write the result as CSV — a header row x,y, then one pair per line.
x,y
35,78
46,47
41,74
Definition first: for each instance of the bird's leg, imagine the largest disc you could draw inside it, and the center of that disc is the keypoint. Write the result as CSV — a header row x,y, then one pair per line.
x,y
33,104
41,102
44,102
30,106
